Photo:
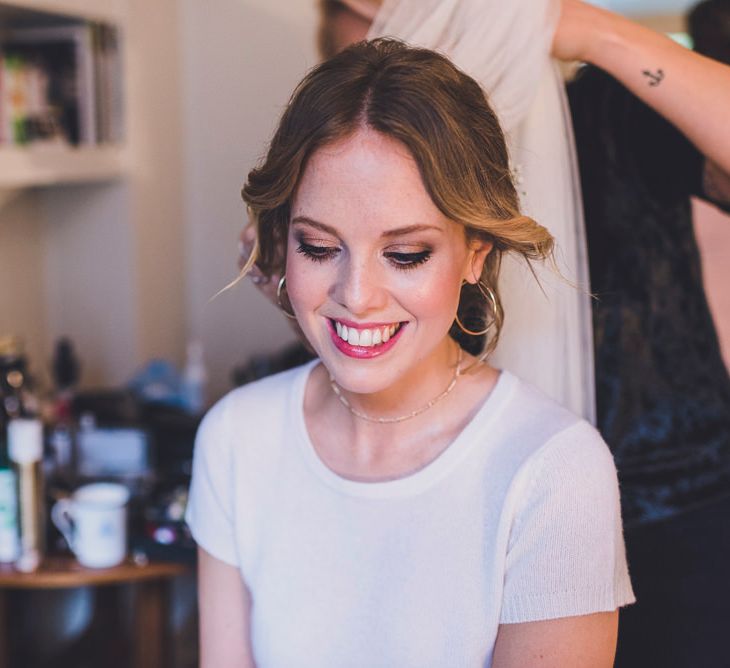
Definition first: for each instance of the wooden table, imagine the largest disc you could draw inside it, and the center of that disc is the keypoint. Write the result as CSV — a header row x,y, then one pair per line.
x,y
150,624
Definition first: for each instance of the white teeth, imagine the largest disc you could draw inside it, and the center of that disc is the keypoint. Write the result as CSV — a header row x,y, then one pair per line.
x,y
365,337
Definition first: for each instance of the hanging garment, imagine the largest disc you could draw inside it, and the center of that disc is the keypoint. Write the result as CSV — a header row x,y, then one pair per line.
x,y
505,46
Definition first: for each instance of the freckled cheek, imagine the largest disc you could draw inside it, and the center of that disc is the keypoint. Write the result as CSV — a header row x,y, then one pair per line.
x,y
434,299
306,283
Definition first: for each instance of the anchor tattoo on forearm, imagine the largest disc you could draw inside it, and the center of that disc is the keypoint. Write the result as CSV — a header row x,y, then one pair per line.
x,y
655,78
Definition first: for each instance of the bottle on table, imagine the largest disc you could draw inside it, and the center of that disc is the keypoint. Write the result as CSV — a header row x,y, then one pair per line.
x,y
9,539
25,449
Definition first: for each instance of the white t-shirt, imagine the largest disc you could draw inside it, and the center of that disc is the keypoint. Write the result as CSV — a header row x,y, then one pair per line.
x,y
517,520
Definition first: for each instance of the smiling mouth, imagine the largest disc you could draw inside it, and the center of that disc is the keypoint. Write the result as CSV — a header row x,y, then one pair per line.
x,y
366,337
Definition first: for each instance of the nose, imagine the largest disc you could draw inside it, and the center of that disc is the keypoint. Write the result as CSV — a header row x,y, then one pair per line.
x,y
359,287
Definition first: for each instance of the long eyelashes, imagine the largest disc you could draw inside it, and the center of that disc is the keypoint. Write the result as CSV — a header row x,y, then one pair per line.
x,y
409,260
317,253
404,261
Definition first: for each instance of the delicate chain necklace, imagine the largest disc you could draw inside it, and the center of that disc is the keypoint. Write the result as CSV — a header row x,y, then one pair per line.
x,y
400,418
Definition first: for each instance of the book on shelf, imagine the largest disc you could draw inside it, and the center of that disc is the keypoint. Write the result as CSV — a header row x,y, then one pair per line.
x,y
61,84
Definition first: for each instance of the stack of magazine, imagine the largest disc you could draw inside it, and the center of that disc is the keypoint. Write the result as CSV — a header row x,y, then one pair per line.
x,y
61,84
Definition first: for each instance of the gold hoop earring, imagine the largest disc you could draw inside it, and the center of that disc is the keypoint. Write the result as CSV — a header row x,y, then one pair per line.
x,y
279,289
490,297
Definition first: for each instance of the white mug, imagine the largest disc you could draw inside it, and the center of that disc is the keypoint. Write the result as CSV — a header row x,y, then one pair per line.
x,y
94,523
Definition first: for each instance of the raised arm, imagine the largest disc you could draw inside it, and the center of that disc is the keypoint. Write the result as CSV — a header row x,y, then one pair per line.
x,y
692,92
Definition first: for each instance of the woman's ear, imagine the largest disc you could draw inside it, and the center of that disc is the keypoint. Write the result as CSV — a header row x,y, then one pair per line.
x,y
479,249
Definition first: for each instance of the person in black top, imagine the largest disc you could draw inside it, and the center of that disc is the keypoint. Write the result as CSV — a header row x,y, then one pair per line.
x,y
663,393
651,128
662,389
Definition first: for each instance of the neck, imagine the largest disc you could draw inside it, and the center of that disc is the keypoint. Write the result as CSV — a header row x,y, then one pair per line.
x,y
411,397
361,450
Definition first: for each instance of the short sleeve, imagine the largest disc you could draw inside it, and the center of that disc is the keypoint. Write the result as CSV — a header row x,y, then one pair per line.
x,y
566,552
210,509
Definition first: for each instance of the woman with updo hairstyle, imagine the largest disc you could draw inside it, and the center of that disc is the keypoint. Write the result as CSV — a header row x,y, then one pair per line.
x,y
398,501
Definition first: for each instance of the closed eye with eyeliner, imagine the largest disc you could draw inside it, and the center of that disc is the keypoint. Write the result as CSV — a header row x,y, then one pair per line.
x,y
321,251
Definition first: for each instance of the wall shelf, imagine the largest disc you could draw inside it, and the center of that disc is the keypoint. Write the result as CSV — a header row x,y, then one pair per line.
x,y
110,11
22,167
57,162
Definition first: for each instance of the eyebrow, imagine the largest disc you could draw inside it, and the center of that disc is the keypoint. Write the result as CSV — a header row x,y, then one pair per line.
x,y
401,231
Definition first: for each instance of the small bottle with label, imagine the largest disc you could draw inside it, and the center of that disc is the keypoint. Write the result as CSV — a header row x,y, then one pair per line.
x,y
9,540
25,448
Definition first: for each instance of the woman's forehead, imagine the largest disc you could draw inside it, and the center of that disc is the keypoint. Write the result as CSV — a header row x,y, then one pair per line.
x,y
367,180
364,148
363,167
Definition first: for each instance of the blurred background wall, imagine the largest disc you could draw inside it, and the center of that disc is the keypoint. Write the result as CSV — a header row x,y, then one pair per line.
x,y
241,60
126,269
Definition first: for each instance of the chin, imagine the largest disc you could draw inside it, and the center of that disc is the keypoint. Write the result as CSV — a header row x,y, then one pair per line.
x,y
359,376
366,386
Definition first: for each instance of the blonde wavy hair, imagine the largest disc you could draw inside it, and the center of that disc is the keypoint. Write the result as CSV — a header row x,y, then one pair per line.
x,y
419,98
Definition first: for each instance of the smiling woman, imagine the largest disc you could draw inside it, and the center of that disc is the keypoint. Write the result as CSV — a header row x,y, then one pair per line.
x,y
387,265
450,135
398,501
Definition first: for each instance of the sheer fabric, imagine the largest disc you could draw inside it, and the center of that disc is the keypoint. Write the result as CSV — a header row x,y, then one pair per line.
x,y
505,46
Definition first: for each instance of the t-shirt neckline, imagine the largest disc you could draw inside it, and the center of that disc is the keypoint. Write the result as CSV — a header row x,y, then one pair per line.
x,y
419,480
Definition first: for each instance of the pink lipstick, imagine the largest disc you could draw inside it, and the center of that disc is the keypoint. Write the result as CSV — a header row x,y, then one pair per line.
x,y
363,352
